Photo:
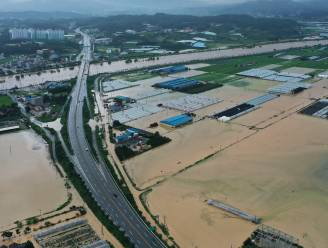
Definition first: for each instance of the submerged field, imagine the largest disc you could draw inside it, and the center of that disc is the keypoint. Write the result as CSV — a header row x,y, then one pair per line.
x,y
29,182
279,174
271,162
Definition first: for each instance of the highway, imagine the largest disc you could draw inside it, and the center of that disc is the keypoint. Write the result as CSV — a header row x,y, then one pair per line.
x,y
95,175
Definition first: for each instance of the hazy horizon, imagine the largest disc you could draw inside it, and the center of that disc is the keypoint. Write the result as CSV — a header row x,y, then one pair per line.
x,y
112,7
102,6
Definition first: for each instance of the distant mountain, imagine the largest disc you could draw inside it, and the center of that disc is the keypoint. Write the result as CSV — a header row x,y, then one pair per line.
x,y
39,15
279,8
101,7
308,9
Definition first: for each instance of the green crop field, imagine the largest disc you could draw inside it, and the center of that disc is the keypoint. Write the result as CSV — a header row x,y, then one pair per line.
x,y
5,101
235,65
223,71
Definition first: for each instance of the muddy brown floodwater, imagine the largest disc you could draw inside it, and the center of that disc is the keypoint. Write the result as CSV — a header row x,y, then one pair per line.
x,y
29,182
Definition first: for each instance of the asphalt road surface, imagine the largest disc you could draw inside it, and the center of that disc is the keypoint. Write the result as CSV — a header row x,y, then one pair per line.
x,y
96,175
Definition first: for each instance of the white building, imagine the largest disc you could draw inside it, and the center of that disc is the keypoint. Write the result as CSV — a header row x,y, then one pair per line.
x,y
323,75
104,41
41,34
21,33
130,31
55,34
32,34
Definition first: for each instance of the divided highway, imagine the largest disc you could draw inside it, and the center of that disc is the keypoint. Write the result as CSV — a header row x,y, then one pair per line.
x,y
95,175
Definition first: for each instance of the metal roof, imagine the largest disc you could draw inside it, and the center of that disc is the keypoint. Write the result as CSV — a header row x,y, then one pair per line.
x,y
274,76
191,103
136,111
258,73
262,99
177,84
288,88
97,244
178,120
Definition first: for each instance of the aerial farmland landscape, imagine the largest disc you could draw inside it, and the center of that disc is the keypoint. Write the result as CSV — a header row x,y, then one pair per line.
x,y
192,124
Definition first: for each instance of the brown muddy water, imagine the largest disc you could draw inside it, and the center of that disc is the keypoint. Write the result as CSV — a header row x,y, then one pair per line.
x,y
29,183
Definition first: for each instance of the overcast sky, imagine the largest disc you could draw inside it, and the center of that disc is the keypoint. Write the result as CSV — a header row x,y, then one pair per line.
x,y
116,6
93,5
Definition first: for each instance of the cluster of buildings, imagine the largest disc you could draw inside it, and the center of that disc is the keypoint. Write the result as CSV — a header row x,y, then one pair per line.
x,y
282,77
195,43
43,59
134,139
290,84
39,103
198,42
23,62
36,34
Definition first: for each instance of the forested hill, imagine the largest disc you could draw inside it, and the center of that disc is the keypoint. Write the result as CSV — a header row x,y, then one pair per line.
x,y
276,27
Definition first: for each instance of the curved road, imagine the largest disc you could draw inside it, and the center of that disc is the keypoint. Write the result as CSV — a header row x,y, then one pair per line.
x,y
96,175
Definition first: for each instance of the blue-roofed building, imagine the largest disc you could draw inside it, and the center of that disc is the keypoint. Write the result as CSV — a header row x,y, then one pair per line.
x,y
178,84
56,86
124,99
170,69
199,44
177,121
126,136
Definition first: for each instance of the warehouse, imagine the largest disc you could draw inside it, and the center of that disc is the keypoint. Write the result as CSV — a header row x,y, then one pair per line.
x,y
257,73
318,109
199,44
177,121
136,111
97,244
274,76
234,112
289,88
190,103
283,79
170,69
257,101
124,99
178,84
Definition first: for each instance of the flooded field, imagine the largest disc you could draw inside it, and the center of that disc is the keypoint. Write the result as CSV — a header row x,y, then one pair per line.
x,y
278,173
29,182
